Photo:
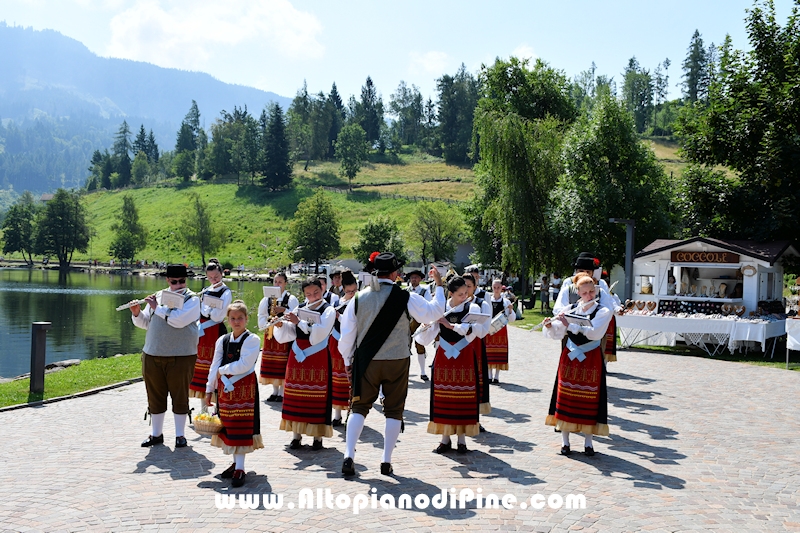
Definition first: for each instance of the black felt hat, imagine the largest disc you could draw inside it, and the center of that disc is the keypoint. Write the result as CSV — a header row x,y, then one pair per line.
x,y
386,263
413,272
586,261
176,271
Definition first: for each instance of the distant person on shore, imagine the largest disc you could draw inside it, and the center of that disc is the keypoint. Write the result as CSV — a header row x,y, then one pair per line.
x,y
169,354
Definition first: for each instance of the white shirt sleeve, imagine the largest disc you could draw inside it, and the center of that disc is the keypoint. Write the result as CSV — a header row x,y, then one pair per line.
x,y
213,372
143,319
509,311
247,358
263,313
599,325
285,333
556,331
294,303
320,332
218,315
180,318
429,335
424,311
562,301
481,330
347,340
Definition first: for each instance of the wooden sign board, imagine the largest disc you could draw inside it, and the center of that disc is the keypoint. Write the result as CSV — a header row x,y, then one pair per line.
x,y
704,257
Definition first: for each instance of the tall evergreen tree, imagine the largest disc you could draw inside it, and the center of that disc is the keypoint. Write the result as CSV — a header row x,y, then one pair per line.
x,y
185,141
695,69
458,96
277,170
336,111
152,148
140,143
637,93
370,111
122,154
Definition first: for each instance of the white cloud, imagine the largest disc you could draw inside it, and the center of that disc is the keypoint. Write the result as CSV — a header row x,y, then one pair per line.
x,y
524,51
186,34
428,63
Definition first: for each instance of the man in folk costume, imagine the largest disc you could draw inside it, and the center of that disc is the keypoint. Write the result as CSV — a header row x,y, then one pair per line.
x,y
169,354
307,389
580,401
340,392
414,279
274,354
375,346
497,343
214,302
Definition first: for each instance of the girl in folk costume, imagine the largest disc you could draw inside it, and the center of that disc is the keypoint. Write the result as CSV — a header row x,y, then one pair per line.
x,y
340,394
579,402
497,343
414,278
329,297
233,377
274,354
214,302
454,391
307,392
479,344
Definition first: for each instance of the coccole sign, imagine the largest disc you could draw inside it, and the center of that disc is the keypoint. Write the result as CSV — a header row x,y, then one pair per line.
x,y
704,257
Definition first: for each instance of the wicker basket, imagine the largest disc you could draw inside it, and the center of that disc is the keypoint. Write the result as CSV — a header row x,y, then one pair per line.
x,y
208,427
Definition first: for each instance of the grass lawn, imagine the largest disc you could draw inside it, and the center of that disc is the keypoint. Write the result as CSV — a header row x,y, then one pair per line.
x,y
90,374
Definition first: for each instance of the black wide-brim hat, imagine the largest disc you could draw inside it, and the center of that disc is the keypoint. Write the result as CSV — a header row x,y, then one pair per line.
x,y
386,263
176,271
417,272
586,261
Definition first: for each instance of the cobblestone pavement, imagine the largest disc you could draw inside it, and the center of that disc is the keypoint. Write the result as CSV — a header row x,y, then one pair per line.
x,y
695,444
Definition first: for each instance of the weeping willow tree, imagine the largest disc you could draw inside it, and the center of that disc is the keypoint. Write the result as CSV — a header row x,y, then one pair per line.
x,y
519,128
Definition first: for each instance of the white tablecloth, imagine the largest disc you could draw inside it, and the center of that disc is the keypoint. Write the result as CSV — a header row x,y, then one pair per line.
x,y
663,331
793,334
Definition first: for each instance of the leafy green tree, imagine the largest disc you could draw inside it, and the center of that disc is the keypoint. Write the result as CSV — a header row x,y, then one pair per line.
x,y
437,230
352,150
458,96
609,173
183,165
277,166
130,236
520,124
750,126
637,93
200,231
315,230
707,201
18,227
140,168
62,228
379,234
406,104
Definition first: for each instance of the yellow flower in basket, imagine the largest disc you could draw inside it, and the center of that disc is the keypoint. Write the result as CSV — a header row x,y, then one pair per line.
x,y
206,424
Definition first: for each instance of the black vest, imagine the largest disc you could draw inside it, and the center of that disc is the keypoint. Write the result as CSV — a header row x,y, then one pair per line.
x,y
497,308
217,293
454,318
580,338
231,351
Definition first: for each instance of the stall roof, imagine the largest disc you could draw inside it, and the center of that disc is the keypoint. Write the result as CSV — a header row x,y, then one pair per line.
x,y
765,251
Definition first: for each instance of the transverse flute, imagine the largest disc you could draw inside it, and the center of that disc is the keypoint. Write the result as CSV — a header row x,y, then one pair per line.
x,y
131,304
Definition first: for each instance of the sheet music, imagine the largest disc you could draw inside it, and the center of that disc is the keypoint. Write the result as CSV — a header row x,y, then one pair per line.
x,y
213,302
312,317
173,300
578,319
477,318
272,292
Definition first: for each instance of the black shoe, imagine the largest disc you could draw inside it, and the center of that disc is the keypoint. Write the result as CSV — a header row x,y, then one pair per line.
x,y
348,468
588,451
423,377
336,422
557,430
482,429
295,444
386,469
495,382
152,441
317,445
238,478
279,398
180,442
272,398
565,450
462,449
228,473
443,448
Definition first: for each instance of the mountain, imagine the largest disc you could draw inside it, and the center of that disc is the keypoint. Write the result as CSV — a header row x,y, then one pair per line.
x,y
59,102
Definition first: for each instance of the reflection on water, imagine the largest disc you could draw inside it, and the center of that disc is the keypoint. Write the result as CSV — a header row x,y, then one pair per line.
x,y
81,307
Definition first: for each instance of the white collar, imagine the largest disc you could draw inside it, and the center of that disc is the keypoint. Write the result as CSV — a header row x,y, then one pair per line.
x,y
239,339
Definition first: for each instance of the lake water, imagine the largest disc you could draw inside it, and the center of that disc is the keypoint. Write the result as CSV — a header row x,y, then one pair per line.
x,y
81,307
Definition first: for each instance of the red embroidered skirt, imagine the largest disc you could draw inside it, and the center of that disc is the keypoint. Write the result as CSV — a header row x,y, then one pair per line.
x,y
240,416
497,349
307,394
205,356
611,341
340,391
454,393
274,356
579,402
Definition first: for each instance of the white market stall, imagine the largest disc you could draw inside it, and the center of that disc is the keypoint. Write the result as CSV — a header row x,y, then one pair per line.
x,y
708,292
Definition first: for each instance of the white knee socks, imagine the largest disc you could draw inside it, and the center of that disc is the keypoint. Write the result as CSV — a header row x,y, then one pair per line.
x,y
565,438
355,424
180,424
462,438
390,433
275,390
238,458
337,413
421,359
158,424
588,440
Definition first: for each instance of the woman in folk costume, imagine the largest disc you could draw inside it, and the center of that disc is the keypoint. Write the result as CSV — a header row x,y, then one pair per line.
x,y
479,344
214,302
497,343
274,354
307,389
610,348
340,394
454,390
233,377
579,402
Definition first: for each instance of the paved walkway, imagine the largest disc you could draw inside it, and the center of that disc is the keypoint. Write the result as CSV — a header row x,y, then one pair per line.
x,y
695,444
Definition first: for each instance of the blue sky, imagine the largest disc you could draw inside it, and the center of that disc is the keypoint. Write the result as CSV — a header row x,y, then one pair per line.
x,y
276,44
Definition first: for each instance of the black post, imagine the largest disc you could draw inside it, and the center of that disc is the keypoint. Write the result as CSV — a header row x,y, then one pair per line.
x,y
38,344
